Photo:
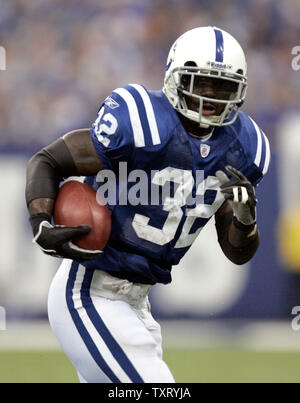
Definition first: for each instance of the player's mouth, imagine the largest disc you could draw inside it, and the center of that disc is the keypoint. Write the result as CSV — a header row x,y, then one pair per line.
x,y
208,109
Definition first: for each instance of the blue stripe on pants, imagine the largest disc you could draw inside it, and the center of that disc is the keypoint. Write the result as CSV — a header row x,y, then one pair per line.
x,y
81,328
105,334
98,323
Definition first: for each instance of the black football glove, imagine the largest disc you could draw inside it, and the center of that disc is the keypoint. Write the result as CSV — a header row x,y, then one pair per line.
x,y
58,240
240,194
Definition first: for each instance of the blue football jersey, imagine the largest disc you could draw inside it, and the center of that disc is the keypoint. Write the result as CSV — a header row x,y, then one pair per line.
x,y
161,180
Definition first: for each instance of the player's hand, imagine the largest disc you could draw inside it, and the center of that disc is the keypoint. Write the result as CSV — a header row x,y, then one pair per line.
x,y
240,194
58,240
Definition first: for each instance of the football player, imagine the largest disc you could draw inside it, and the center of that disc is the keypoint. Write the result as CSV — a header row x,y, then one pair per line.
x,y
98,300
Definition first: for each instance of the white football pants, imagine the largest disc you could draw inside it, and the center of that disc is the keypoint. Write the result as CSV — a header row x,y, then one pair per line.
x,y
105,327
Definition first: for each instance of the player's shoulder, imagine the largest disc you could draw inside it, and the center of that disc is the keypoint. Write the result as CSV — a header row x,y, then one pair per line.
x,y
147,115
254,143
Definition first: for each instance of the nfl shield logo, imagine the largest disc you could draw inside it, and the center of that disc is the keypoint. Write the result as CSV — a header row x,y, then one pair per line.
x,y
204,150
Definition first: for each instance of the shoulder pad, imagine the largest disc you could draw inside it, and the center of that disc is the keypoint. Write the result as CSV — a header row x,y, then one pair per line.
x,y
256,147
140,115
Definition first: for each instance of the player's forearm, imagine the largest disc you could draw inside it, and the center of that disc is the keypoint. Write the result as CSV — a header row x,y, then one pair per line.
x,y
72,155
42,205
238,244
44,172
239,238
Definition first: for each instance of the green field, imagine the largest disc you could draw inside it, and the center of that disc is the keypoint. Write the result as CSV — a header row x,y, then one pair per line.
x,y
217,365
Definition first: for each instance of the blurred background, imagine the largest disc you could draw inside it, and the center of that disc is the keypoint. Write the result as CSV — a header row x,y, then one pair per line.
x,y
63,57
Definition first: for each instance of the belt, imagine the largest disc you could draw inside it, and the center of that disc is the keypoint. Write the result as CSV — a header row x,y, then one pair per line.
x,y
105,285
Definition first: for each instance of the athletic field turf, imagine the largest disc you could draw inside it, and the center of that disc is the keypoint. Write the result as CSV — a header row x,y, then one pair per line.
x,y
189,365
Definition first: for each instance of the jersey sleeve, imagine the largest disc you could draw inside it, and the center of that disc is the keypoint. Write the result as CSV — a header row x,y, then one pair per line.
x,y
257,150
127,121
112,133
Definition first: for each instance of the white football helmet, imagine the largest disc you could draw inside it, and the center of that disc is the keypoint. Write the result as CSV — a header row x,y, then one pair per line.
x,y
206,52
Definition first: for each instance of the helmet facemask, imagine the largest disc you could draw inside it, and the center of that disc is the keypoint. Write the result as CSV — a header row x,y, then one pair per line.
x,y
227,93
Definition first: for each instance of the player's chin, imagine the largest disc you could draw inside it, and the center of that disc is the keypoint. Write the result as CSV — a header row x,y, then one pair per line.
x,y
220,109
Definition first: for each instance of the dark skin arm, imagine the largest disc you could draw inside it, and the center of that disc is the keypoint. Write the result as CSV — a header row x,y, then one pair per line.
x,y
239,243
80,145
236,237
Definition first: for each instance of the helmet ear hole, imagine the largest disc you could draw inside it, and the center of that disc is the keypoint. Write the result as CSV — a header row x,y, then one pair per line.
x,y
190,63
186,78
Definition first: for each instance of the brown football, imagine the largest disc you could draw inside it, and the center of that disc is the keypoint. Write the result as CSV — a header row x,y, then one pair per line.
x,y
76,204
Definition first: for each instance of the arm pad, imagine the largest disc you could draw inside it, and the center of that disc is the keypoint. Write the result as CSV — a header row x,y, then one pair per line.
x,y
46,169
238,255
